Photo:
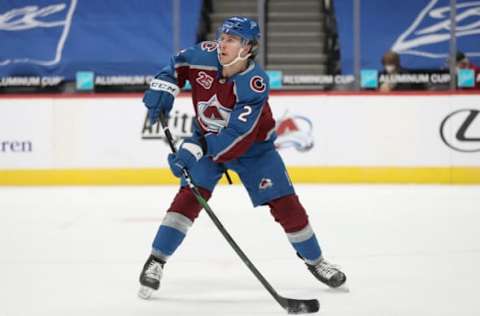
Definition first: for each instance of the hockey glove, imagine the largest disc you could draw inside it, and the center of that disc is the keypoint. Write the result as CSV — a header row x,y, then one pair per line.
x,y
189,152
159,98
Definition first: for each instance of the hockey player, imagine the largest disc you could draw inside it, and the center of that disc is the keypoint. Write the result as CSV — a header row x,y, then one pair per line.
x,y
234,130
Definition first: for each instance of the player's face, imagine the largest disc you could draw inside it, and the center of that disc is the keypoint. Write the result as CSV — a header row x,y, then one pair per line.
x,y
229,46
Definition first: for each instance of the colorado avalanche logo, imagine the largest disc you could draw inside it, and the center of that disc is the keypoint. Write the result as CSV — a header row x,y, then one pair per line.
x,y
208,46
257,84
294,131
212,116
265,183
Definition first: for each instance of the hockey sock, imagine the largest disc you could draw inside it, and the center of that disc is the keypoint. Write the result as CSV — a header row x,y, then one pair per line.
x,y
170,235
289,212
305,243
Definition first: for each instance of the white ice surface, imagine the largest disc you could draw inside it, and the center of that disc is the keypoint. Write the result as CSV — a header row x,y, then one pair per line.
x,y
407,250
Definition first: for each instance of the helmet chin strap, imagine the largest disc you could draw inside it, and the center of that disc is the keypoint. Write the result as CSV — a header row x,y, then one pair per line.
x,y
236,60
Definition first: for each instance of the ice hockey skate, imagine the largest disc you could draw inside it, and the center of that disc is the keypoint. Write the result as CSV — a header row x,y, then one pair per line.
x,y
150,277
327,273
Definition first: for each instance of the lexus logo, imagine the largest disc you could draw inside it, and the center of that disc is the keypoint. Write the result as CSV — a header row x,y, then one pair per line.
x,y
460,130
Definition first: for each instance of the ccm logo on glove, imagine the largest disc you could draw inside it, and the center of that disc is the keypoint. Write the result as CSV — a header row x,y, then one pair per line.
x,y
162,85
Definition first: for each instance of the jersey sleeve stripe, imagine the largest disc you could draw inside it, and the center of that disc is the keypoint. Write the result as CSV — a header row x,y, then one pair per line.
x,y
270,133
199,67
202,67
178,65
235,92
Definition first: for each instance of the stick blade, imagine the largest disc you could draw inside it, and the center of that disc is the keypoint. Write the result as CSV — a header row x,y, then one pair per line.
x,y
301,306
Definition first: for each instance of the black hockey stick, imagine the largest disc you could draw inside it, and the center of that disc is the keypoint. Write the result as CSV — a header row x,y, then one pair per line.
x,y
292,306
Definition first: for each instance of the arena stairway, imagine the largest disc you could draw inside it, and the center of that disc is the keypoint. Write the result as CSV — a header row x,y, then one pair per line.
x,y
295,32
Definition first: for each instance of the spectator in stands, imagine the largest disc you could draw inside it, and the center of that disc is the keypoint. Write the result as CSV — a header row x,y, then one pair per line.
x,y
391,67
464,63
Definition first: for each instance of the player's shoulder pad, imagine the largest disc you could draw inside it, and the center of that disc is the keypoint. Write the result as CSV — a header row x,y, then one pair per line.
x,y
252,85
204,53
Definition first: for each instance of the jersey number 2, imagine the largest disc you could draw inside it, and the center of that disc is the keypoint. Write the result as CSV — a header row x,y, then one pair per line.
x,y
246,111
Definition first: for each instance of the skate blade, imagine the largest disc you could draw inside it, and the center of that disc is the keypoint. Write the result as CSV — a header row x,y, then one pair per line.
x,y
145,292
